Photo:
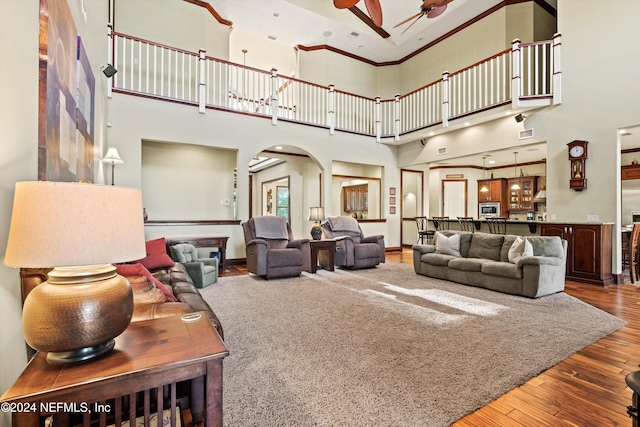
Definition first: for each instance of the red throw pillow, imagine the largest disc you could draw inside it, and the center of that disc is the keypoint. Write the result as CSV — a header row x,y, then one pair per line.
x,y
156,255
138,269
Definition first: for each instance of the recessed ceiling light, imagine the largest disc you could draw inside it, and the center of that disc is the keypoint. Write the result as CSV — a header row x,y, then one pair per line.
x,y
491,162
270,37
327,33
278,147
431,134
467,124
276,14
624,132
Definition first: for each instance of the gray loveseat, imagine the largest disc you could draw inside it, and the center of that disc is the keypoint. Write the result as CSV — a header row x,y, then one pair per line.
x,y
484,262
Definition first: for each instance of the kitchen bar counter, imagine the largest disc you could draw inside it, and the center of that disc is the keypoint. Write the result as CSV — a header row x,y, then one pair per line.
x,y
516,226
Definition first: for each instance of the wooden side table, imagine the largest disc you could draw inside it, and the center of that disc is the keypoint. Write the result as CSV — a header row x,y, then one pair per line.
x,y
320,245
141,374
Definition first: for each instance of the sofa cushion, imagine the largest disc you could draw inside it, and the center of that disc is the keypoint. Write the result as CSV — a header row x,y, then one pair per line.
x,y
465,240
468,264
502,269
447,245
506,246
487,246
550,246
137,269
437,259
144,291
156,255
520,247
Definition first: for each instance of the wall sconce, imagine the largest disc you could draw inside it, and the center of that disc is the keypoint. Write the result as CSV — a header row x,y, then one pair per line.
x,y
109,70
316,214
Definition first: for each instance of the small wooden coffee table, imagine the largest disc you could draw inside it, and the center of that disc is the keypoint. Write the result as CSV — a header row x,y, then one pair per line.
x,y
322,245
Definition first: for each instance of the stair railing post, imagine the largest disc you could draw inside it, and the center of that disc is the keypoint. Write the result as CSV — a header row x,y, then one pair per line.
x,y
332,109
445,98
396,118
557,69
516,77
202,87
274,96
110,56
378,119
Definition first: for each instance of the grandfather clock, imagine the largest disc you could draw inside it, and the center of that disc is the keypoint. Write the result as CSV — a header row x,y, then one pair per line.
x,y
577,158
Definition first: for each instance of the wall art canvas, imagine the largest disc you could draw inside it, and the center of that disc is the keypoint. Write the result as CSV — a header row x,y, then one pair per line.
x,y
66,98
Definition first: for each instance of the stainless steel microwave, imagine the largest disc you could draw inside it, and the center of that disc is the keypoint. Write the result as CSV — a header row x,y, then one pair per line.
x,y
489,209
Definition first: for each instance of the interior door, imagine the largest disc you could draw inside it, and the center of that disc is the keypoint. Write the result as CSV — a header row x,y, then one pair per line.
x,y
454,198
411,204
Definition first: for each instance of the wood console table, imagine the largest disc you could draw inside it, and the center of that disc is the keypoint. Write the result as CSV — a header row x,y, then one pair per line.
x,y
219,242
150,362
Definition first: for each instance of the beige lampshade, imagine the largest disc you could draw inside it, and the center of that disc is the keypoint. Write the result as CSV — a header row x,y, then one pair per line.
x,y
316,214
112,157
59,224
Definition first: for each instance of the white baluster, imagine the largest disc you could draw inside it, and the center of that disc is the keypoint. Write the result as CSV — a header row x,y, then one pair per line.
x,y
445,99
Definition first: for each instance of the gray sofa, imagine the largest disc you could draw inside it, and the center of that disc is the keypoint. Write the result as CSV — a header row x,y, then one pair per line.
x,y
484,262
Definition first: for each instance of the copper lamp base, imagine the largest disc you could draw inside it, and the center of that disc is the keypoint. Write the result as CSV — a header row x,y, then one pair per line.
x,y
316,231
77,313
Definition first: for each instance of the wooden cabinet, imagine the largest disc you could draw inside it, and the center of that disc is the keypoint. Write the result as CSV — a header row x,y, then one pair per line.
x,y
588,250
521,199
496,187
497,193
356,198
630,172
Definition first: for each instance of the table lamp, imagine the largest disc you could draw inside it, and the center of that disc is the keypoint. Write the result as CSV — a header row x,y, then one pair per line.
x,y
113,158
316,214
79,229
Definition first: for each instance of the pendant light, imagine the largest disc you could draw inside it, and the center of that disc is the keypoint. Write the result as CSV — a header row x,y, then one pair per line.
x,y
484,188
515,185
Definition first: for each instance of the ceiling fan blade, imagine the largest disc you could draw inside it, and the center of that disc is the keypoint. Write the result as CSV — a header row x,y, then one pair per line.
x,y
375,11
405,30
408,19
344,4
436,11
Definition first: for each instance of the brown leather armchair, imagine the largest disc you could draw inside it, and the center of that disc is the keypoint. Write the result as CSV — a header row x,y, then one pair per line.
x,y
271,249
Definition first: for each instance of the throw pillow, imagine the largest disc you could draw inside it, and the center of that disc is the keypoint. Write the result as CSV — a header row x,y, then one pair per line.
x,y
137,269
520,248
156,255
447,245
144,292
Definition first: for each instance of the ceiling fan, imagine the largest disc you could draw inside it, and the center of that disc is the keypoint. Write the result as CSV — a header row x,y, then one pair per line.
x,y
431,8
373,7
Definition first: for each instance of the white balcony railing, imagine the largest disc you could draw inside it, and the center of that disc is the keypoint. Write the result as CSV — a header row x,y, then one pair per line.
x,y
526,72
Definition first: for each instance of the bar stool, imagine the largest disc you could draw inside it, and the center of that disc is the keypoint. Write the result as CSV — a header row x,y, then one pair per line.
x,y
466,223
423,230
440,223
497,225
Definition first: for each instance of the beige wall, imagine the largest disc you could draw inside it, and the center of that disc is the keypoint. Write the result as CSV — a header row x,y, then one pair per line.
x,y
175,23
19,27
196,179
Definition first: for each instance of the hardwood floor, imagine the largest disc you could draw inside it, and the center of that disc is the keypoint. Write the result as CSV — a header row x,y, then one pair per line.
x,y
587,389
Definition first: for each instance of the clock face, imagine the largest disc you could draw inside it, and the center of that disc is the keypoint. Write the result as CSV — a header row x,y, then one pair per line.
x,y
576,151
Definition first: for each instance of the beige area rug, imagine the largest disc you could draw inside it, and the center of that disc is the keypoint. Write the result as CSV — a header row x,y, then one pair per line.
x,y
385,346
